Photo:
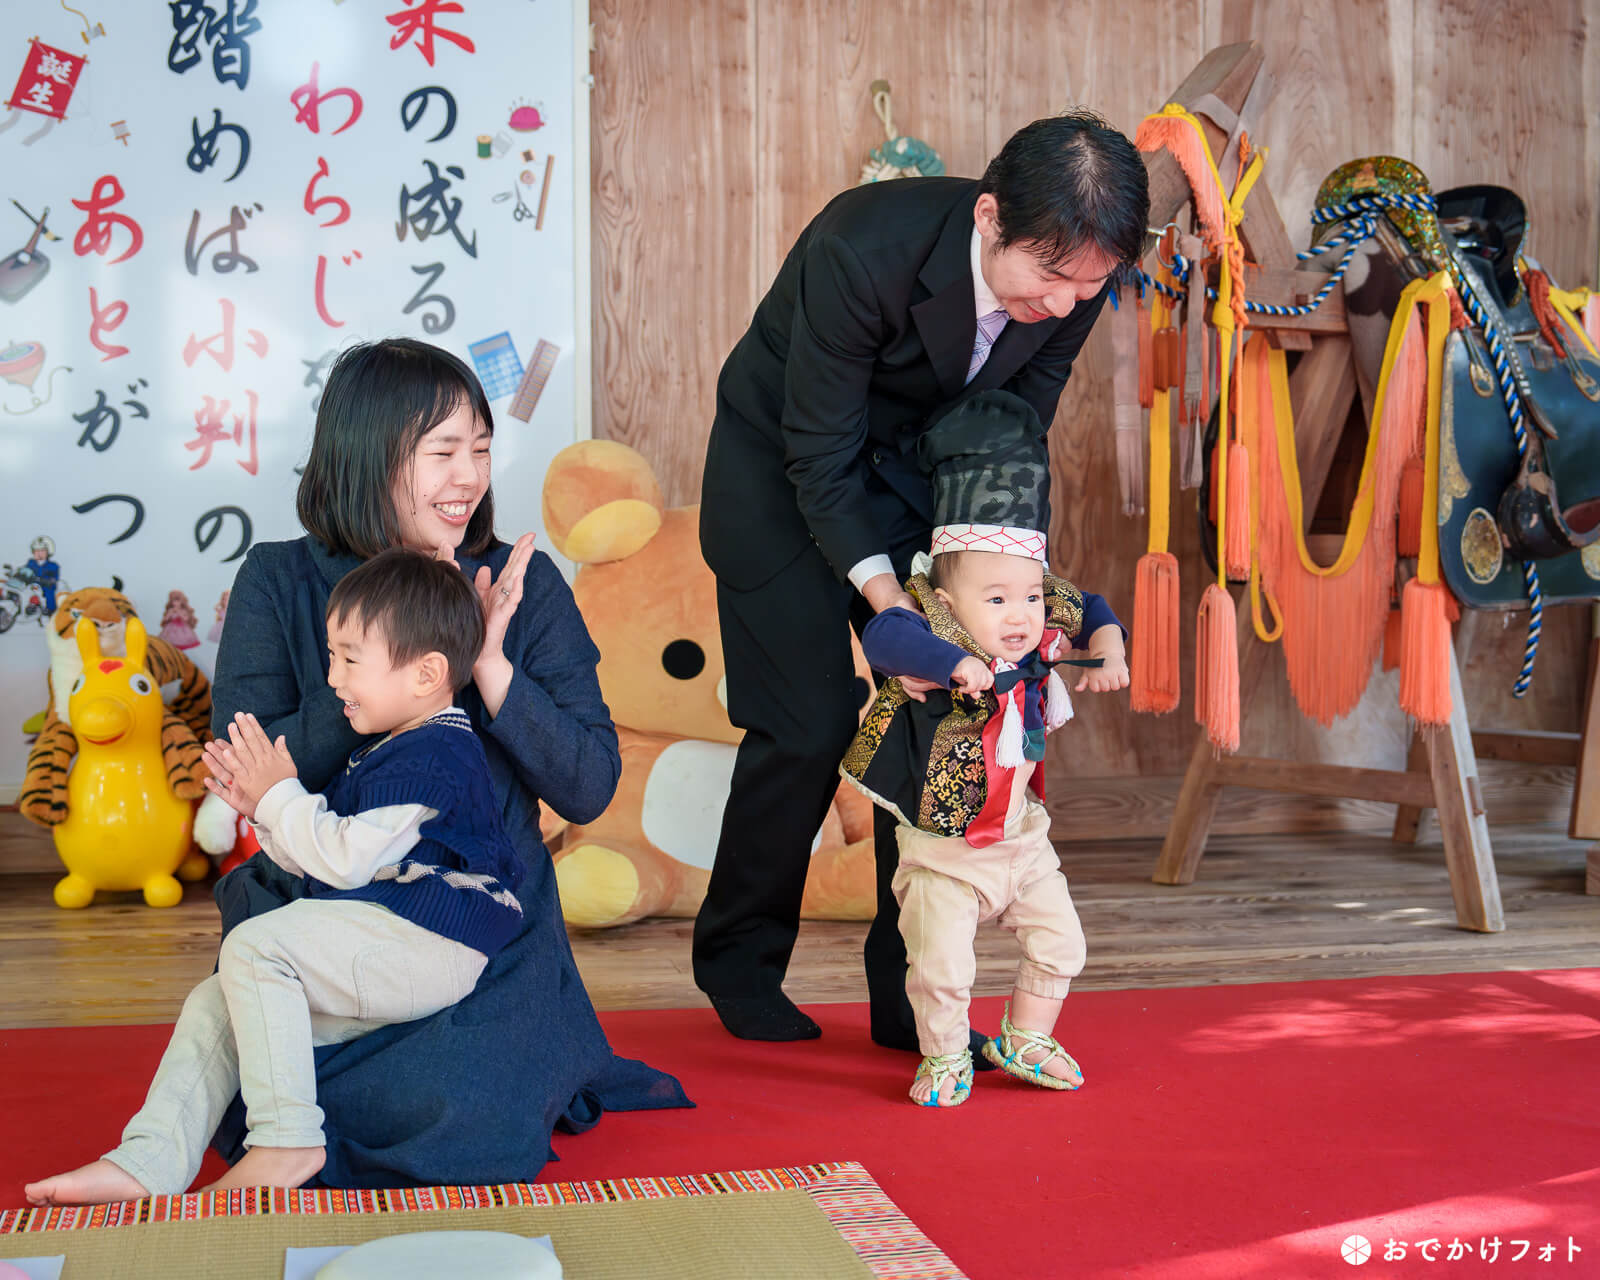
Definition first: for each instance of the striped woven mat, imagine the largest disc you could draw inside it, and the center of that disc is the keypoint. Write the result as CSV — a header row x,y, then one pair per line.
x,y
816,1220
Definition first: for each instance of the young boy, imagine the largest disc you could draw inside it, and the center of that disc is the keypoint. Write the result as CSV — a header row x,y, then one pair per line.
x,y
411,887
954,767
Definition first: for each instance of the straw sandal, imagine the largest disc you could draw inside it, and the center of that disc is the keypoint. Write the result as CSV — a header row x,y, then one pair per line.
x,y
939,1067
1006,1051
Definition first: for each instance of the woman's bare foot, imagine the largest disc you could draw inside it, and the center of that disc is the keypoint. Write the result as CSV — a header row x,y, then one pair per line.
x,y
99,1183
272,1167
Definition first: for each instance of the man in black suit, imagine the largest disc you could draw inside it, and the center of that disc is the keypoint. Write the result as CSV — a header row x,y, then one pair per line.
x,y
898,300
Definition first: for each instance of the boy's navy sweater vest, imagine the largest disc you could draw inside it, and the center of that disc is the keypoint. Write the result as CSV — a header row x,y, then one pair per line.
x,y
460,879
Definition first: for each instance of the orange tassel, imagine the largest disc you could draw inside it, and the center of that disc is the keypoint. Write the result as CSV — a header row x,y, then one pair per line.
x,y
1391,640
1189,149
1216,669
1155,633
1237,534
1333,625
1425,652
1408,539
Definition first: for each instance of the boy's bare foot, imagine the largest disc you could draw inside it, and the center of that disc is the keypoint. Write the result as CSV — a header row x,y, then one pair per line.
x,y
1052,1064
272,1167
922,1090
99,1183
950,1074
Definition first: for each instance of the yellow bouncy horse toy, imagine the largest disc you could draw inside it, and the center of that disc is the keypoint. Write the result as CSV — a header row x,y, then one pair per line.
x,y
125,829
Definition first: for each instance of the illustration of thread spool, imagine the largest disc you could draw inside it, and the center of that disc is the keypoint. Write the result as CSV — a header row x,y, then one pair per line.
x,y
485,145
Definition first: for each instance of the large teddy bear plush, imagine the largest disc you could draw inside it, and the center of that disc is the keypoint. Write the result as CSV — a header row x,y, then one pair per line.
x,y
649,601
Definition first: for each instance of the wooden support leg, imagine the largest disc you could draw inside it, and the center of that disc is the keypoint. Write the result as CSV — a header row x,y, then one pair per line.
x,y
1408,819
1462,822
1185,841
1585,821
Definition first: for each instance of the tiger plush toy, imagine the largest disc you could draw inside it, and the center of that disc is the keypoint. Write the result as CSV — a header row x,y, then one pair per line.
x,y
186,721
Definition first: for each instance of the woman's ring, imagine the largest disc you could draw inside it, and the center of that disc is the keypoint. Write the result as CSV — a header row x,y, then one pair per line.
x,y
506,593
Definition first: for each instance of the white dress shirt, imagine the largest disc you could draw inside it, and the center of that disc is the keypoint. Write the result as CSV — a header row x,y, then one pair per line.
x,y
983,302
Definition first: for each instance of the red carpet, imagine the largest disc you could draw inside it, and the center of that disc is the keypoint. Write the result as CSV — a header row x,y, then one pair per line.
x,y
1235,1133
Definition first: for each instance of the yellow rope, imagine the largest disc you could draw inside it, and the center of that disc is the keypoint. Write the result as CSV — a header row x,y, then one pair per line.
x,y
1433,293
1160,439
1568,302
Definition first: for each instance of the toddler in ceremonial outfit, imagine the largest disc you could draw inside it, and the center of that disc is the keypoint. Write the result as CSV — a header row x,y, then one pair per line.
x,y
955,765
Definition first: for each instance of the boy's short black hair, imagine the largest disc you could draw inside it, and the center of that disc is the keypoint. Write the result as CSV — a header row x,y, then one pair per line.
x,y
943,569
1066,182
422,605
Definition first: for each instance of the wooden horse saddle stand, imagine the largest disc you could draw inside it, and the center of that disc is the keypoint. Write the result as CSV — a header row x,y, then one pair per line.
x,y
1498,508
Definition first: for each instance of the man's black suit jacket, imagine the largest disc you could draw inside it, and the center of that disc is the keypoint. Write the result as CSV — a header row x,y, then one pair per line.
x,y
861,343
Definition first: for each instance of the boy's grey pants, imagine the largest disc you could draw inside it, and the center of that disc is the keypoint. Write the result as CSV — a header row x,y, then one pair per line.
x,y
313,972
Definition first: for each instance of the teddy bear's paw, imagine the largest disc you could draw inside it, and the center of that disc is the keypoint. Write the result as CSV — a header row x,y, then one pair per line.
x,y
599,887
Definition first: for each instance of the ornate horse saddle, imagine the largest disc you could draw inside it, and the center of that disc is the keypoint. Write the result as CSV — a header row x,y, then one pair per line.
x,y
1497,507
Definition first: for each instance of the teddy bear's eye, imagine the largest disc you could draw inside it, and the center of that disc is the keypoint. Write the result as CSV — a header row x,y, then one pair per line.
x,y
683,659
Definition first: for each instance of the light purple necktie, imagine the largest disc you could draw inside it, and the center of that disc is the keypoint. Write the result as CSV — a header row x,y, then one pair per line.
x,y
989,327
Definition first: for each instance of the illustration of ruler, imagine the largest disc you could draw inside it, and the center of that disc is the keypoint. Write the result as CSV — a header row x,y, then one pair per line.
x,y
532,385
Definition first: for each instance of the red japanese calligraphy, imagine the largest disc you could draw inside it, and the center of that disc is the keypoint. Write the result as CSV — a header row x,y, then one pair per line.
x,y
313,202
420,22
219,346
94,236
48,78
309,102
103,320
322,303
211,429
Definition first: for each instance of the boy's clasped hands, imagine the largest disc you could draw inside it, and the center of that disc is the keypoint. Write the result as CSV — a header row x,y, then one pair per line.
x,y
247,764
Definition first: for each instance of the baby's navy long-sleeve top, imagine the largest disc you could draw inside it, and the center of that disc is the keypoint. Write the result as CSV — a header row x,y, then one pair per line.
x,y
900,642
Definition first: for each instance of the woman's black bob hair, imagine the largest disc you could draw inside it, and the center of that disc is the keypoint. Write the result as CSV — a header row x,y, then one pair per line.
x,y
381,398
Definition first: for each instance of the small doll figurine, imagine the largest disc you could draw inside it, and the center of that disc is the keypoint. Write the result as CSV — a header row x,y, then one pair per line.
x,y
215,634
177,622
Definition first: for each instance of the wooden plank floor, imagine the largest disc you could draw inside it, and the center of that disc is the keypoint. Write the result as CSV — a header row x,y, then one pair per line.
x,y
1264,908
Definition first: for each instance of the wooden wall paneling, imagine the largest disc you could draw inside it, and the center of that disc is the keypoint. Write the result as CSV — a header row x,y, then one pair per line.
x,y
675,275
816,61
1043,56
1119,59
1505,95
1342,88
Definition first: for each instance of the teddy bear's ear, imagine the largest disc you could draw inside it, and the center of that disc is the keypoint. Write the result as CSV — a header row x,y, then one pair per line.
x,y
601,501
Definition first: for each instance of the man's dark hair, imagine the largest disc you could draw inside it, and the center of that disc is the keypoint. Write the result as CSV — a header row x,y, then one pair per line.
x,y
421,605
1067,182
381,398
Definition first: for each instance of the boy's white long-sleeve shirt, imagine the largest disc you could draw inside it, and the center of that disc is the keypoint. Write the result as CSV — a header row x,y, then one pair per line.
x,y
298,832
